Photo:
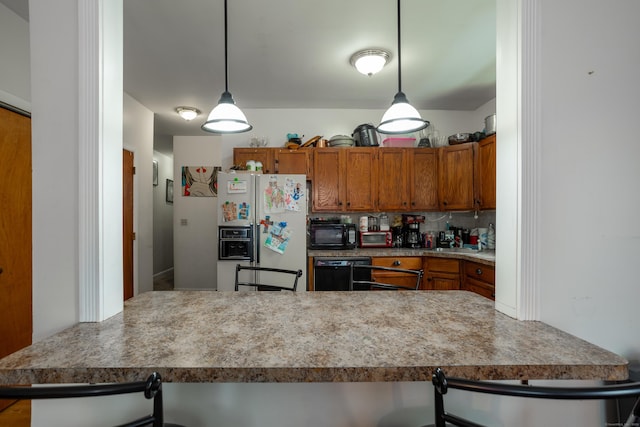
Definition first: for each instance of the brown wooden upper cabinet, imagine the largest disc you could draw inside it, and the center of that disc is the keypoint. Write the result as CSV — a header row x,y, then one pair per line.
x,y
385,179
407,179
423,184
456,165
344,179
276,160
293,161
393,180
486,173
263,155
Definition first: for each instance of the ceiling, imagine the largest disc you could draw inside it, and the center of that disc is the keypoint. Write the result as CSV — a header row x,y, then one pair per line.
x,y
295,54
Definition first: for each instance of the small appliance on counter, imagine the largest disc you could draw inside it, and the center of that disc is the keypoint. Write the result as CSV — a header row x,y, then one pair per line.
x,y
331,234
412,238
376,239
397,236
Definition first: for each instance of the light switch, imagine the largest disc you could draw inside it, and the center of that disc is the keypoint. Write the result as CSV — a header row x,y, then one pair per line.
x,y
183,221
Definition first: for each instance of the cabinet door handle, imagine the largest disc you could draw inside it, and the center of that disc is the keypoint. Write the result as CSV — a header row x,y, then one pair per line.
x,y
396,263
1,270
479,272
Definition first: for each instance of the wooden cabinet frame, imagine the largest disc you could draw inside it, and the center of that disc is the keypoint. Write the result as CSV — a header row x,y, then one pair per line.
x,y
385,179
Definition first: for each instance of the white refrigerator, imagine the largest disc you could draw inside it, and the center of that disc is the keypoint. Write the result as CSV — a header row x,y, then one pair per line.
x,y
274,207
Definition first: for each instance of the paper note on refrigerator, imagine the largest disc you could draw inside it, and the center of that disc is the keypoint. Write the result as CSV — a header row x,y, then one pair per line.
x,y
229,211
273,196
278,239
293,193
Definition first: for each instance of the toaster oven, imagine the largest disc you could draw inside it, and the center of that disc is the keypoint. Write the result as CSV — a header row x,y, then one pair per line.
x,y
376,239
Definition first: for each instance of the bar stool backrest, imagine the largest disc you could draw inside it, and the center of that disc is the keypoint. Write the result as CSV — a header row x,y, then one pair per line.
x,y
442,384
152,389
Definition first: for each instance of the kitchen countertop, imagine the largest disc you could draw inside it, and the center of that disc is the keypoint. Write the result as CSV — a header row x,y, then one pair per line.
x,y
482,257
209,336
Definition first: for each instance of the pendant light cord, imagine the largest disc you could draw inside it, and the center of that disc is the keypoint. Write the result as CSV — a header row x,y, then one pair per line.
x,y
226,66
399,72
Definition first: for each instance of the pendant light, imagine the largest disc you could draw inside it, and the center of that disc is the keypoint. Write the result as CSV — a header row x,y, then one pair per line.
x,y
401,117
226,117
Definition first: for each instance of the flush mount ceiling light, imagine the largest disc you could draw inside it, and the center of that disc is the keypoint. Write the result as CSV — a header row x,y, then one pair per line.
x,y
226,117
369,61
188,113
401,117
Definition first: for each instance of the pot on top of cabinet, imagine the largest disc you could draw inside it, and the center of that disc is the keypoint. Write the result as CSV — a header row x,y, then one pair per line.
x,y
365,135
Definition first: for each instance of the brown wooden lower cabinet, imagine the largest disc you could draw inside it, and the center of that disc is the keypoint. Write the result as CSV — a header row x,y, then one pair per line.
x,y
479,278
393,278
441,274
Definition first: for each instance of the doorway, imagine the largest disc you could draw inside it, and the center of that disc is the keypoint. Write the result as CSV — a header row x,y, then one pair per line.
x,y
128,235
16,320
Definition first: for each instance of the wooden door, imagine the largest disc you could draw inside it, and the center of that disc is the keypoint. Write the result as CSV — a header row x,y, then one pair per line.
x,y
293,162
395,278
16,325
262,155
128,235
443,282
423,186
393,185
487,173
360,178
442,274
456,173
328,180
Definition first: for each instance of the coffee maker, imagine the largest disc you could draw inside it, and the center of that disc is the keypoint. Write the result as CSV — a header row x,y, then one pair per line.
x,y
411,230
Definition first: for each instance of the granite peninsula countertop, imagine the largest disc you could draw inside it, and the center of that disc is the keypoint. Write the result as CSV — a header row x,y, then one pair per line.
x,y
482,257
209,336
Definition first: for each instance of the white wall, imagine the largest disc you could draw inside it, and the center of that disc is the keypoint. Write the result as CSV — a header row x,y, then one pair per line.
x,y
162,217
138,137
275,124
55,165
15,84
195,244
589,190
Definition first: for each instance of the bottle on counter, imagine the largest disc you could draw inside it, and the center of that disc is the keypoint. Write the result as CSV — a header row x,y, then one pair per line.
x,y
364,223
491,237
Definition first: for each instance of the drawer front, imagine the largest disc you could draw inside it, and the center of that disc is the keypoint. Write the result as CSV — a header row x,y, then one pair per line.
x,y
444,265
480,288
408,263
484,273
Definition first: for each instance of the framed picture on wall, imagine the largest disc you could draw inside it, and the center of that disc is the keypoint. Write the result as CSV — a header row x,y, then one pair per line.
x,y
155,173
169,191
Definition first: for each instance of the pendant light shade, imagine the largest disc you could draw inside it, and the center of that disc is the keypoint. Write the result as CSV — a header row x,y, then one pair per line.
x,y
401,117
226,117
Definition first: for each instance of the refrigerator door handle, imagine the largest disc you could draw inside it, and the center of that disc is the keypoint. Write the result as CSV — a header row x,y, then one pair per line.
x,y
257,243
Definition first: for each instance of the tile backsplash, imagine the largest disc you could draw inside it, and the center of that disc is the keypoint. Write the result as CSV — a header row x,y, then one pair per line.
x,y
434,221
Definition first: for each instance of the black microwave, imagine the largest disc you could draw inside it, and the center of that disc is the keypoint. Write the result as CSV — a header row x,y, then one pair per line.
x,y
330,235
